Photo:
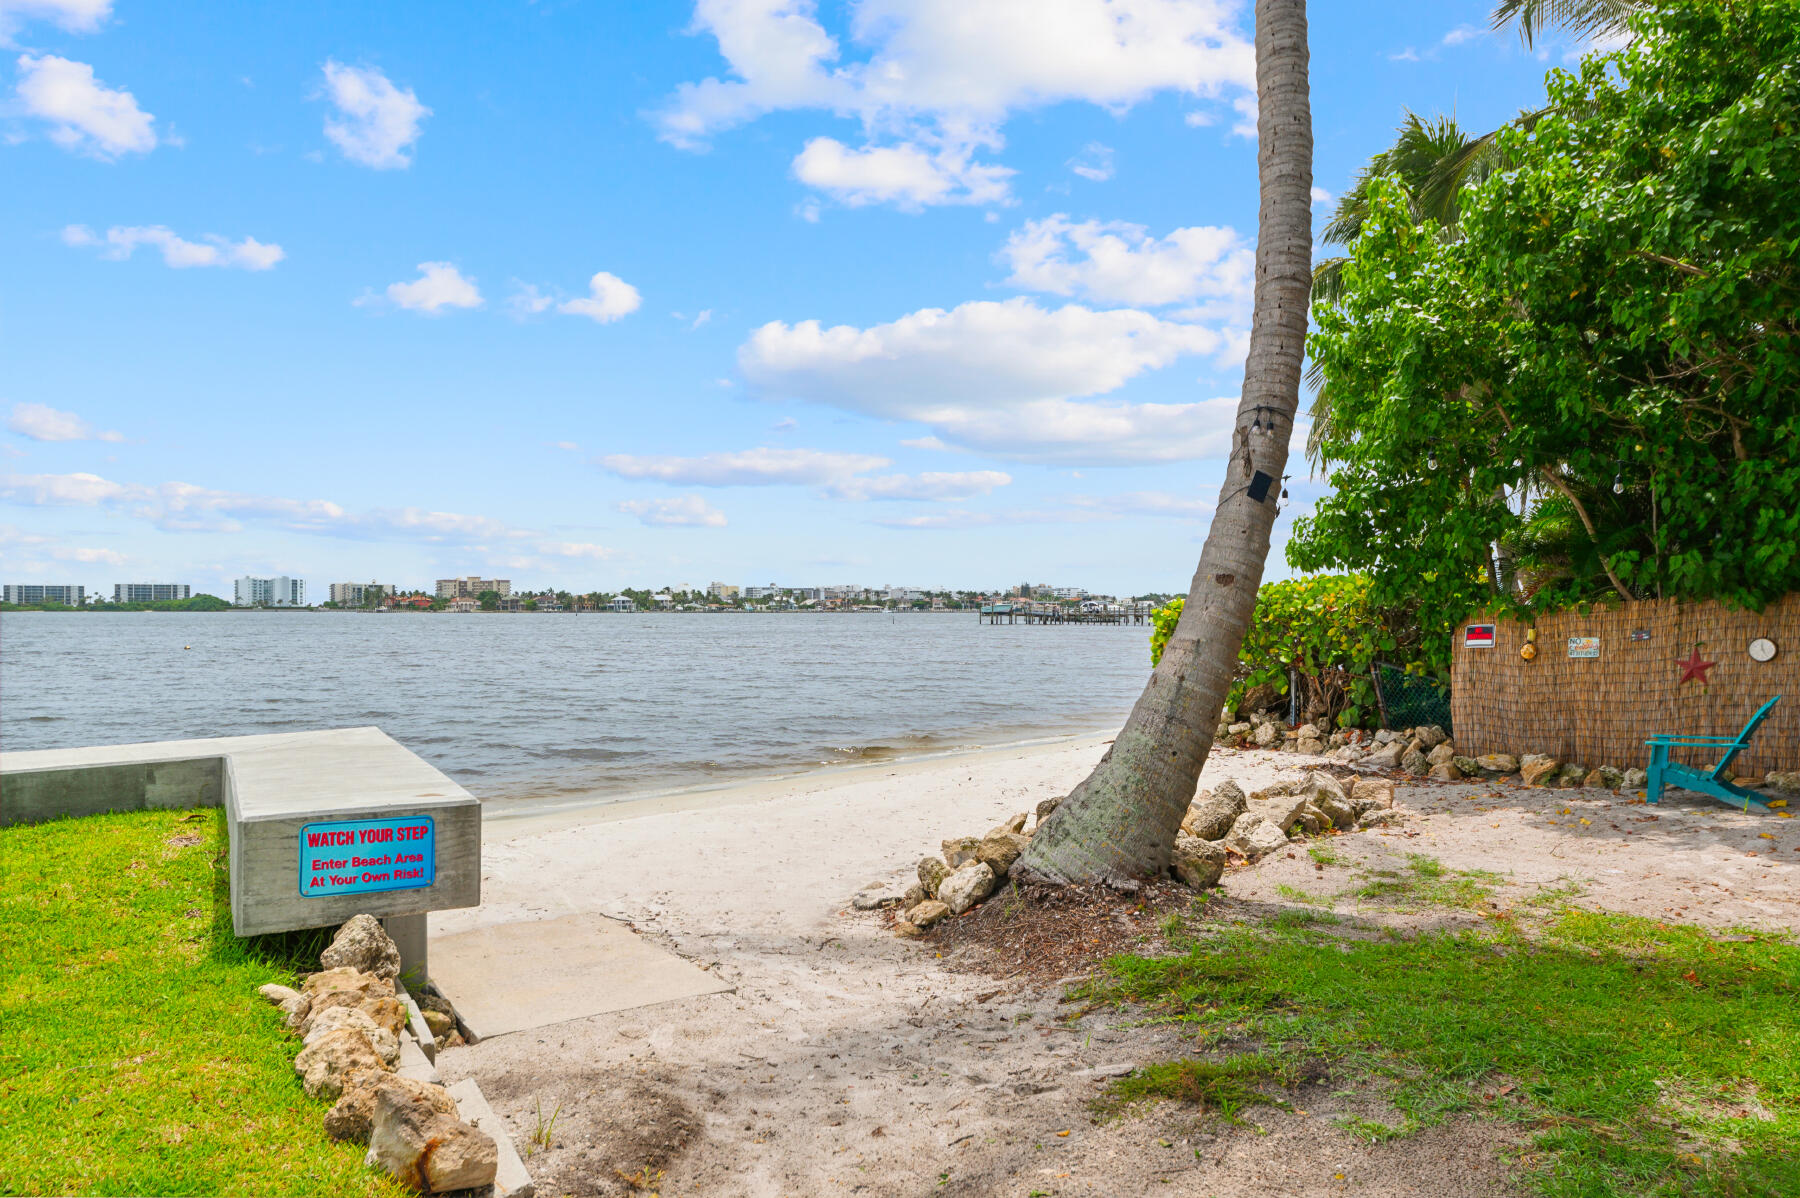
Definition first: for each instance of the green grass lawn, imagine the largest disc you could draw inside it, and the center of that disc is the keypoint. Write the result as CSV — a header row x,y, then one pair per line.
x,y
135,1054
1639,1058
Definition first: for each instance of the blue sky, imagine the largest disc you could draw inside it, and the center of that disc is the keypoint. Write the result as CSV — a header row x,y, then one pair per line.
x,y
593,294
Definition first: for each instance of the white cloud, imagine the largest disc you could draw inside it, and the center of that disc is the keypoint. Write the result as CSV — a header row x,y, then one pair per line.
x,y
1320,196
962,66
577,549
1463,33
681,511
378,122
744,468
83,114
75,16
845,476
214,250
923,443
906,175
186,507
1146,503
41,422
1095,162
1114,262
1010,379
91,557
703,317
439,285
609,298
937,79
1199,119
983,352
527,300
936,487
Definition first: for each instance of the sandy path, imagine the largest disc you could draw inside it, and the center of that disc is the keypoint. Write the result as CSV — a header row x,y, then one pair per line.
x,y
846,1061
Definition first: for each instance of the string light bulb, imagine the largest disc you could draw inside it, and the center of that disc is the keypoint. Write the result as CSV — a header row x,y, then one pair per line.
x,y
1431,462
1618,487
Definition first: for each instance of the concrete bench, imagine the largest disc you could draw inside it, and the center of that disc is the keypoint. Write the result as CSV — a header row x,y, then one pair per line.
x,y
322,825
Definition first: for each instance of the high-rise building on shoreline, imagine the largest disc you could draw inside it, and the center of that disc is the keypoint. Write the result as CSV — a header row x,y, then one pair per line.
x,y
29,593
360,594
281,591
471,587
151,592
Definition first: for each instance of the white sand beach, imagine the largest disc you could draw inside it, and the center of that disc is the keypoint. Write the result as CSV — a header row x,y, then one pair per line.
x,y
845,1060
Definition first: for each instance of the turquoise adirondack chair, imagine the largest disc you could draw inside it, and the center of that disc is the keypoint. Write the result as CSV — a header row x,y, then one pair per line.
x,y
1708,781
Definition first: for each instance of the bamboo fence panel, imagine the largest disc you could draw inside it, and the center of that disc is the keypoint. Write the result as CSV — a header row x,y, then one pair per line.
x,y
1599,711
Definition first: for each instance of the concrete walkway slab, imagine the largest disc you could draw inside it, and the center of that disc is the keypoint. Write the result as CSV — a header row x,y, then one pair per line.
x,y
512,976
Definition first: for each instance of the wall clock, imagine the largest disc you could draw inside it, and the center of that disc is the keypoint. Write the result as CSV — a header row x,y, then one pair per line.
x,y
1762,649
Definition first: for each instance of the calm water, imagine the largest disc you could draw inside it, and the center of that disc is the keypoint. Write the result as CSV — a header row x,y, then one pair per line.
x,y
571,707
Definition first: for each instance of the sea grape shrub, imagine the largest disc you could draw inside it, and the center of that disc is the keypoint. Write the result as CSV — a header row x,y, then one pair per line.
x,y
1326,631
1594,391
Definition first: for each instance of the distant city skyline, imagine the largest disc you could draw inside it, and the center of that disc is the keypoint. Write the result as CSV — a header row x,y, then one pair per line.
x,y
589,294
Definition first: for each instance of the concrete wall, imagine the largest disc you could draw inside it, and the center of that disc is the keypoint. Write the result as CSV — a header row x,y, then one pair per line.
x,y
32,797
270,787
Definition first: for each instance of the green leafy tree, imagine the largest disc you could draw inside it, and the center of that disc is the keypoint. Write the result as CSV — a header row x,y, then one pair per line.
x,y
1601,375
488,600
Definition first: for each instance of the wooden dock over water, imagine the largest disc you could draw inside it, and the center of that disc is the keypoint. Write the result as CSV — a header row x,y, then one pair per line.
x,y
1057,613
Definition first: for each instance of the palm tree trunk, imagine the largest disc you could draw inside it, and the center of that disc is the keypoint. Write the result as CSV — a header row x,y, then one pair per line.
x,y
1121,822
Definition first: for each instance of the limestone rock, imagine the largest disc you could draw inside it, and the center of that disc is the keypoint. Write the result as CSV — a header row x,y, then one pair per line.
x,y
1570,776
330,1061
385,1043
295,1009
1430,736
1637,779
385,1010
1328,796
1444,773
439,1023
928,914
1536,769
876,895
425,1148
960,851
966,887
1198,863
915,894
1015,824
1266,735
1387,757
1313,820
1466,766
907,930
1497,763
1310,744
1044,809
278,995
1238,729
351,1117
1414,763
1786,781
932,871
1387,736
1380,817
363,944
1374,794
999,850
1442,754
1211,813
1281,810
1594,778
1252,835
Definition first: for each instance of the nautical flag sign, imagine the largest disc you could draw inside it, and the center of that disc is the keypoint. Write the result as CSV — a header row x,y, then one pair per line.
x,y
1478,636
363,855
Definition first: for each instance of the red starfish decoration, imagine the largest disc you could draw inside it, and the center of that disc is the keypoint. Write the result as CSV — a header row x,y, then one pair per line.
x,y
1694,668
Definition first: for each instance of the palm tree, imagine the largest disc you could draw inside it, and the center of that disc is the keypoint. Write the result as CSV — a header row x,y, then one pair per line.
x,y
1120,823
1583,18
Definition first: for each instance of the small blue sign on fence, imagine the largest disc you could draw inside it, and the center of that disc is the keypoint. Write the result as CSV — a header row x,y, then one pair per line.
x,y
363,855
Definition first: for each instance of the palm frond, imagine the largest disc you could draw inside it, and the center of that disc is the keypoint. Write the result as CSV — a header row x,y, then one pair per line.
x,y
1582,18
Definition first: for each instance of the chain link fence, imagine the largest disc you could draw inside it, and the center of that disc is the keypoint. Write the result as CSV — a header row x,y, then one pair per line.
x,y
1409,700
